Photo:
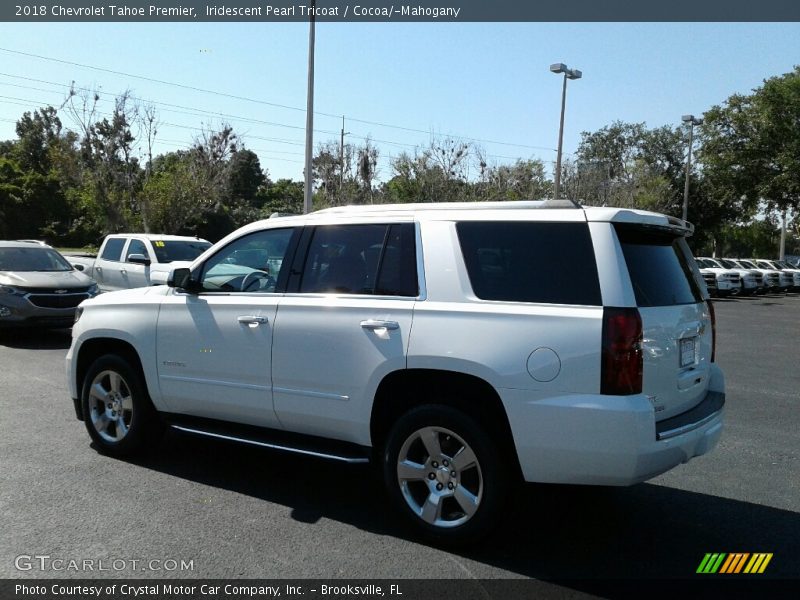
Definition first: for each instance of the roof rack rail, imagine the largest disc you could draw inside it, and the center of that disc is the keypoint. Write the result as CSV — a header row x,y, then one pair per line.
x,y
493,205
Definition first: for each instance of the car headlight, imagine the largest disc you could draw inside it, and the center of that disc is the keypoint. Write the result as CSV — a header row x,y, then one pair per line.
x,y
78,313
93,291
8,289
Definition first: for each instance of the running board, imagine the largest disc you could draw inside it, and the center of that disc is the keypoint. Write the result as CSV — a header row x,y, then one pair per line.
x,y
272,439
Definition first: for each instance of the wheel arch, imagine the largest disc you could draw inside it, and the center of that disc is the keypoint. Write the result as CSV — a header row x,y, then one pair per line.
x,y
92,349
403,390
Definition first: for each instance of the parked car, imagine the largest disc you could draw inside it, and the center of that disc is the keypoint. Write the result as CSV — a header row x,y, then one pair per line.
x,y
789,277
772,277
784,279
38,287
748,280
728,281
131,260
462,347
749,276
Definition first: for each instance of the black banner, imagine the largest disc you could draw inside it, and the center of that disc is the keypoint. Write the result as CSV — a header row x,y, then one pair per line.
x,y
396,10
744,586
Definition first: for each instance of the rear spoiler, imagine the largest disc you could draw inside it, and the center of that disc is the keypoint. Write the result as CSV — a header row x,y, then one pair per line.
x,y
642,219
685,228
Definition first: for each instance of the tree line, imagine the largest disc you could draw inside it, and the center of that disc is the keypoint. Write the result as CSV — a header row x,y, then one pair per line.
x,y
73,185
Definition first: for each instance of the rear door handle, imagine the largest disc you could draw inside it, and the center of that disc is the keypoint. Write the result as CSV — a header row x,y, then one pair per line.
x,y
373,324
123,271
252,320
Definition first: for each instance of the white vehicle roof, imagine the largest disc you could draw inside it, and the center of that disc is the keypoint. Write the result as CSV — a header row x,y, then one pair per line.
x,y
556,210
158,236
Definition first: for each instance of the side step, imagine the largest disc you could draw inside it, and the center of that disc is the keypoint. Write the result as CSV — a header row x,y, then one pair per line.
x,y
271,438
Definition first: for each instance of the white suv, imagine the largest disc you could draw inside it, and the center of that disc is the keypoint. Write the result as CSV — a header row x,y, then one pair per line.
x,y
462,347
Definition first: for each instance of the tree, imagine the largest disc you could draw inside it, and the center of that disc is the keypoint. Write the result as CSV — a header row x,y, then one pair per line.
x,y
524,180
437,173
110,168
751,147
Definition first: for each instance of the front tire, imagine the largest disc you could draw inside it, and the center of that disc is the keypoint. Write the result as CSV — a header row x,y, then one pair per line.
x,y
444,474
118,413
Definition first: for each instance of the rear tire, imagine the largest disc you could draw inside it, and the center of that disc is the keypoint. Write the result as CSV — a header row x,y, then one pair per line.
x,y
444,474
117,410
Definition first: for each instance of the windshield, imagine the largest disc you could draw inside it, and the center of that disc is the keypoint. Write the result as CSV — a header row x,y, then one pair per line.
x,y
32,259
728,264
167,251
748,264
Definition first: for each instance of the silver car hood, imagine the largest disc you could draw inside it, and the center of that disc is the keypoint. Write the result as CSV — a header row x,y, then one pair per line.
x,y
45,279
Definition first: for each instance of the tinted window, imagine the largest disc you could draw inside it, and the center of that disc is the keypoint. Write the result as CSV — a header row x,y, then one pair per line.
x,y
658,264
136,247
397,273
252,263
113,249
167,251
531,262
362,259
344,259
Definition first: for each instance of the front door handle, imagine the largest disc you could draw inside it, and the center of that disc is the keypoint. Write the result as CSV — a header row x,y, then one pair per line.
x,y
374,324
252,321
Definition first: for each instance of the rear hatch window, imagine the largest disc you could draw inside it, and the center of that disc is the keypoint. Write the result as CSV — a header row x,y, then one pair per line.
x,y
659,267
676,322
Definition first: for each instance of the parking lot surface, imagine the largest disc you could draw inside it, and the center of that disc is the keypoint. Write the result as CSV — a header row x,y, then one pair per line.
x,y
236,511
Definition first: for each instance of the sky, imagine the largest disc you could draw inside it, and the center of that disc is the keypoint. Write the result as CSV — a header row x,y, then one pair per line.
x,y
400,84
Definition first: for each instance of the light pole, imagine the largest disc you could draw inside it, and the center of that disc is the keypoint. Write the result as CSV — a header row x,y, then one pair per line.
x,y
568,74
692,120
309,176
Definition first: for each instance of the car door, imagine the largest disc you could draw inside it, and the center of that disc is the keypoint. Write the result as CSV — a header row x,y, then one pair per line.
x,y
134,275
342,326
214,347
107,265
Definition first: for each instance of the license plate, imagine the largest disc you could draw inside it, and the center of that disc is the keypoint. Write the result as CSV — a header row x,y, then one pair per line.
x,y
687,352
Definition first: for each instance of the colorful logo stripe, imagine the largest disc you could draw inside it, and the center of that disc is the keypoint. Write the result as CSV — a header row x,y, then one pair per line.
x,y
735,562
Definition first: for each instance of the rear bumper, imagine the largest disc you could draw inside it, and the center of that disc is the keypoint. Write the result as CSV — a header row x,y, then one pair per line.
x,y
608,440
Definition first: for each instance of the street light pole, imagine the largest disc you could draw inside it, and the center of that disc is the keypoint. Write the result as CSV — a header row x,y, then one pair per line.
x,y
568,74
309,179
692,120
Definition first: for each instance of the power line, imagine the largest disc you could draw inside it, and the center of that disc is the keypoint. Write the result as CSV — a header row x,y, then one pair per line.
x,y
263,102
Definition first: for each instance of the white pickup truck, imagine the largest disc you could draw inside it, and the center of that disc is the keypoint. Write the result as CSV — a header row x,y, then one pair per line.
x,y
131,260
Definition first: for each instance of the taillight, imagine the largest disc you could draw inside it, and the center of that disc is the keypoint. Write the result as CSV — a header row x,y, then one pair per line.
x,y
621,370
713,330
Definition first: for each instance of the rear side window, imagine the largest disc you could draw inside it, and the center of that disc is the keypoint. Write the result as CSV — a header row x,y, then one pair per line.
x,y
549,263
113,249
658,264
362,259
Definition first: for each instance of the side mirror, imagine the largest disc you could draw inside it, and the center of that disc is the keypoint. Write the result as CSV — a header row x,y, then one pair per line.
x,y
78,267
139,259
182,280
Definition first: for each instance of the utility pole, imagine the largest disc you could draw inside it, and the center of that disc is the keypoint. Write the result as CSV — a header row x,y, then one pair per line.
x,y
341,159
692,121
309,179
782,250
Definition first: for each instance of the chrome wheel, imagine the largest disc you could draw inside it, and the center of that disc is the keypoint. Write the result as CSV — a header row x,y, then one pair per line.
x,y
440,477
110,406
